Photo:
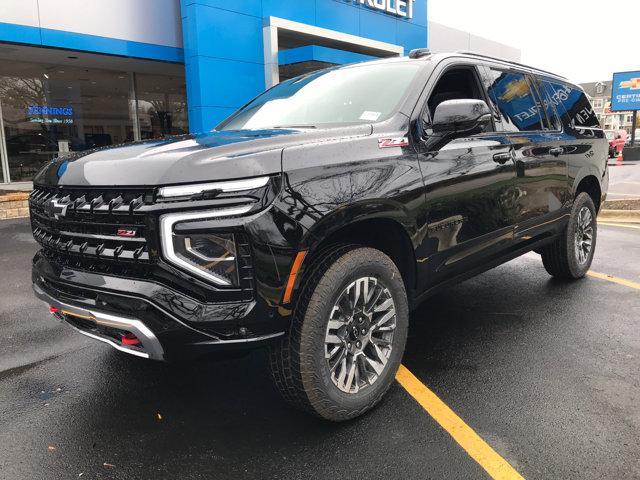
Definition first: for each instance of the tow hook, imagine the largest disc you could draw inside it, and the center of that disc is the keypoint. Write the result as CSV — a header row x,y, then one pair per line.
x,y
130,339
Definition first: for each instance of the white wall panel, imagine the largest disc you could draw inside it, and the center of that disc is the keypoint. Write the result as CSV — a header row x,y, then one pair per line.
x,y
149,21
22,12
447,39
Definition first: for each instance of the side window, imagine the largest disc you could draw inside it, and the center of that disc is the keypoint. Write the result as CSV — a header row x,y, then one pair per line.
x,y
572,104
548,106
514,99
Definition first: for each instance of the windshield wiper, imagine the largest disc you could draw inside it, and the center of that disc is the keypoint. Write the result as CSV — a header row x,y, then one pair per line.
x,y
294,126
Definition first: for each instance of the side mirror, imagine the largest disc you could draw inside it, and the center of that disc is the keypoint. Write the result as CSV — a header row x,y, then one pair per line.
x,y
466,116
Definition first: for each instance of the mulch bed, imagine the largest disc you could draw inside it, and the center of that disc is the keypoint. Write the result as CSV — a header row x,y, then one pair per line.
x,y
621,205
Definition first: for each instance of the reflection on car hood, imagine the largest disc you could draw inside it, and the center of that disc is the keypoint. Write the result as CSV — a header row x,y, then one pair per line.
x,y
188,158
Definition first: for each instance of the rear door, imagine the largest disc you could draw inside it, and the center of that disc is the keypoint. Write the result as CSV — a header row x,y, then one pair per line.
x,y
534,130
582,138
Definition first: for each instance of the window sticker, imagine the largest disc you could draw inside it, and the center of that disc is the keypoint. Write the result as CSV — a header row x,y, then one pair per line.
x,y
370,116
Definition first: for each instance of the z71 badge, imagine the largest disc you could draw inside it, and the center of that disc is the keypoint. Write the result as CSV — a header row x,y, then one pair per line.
x,y
123,232
393,142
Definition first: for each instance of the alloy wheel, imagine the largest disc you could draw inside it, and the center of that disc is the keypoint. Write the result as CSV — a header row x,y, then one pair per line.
x,y
359,335
584,235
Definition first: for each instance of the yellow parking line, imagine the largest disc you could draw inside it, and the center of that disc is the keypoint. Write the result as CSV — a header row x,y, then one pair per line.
x,y
611,278
624,225
496,466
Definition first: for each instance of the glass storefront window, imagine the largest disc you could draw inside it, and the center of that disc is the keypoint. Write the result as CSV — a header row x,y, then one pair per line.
x,y
162,105
49,110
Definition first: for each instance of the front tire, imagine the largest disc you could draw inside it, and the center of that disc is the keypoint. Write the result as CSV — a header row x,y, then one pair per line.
x,y
570,256
347,336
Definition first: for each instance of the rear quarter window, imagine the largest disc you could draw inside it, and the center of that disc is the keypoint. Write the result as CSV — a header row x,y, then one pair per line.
x,y
571,104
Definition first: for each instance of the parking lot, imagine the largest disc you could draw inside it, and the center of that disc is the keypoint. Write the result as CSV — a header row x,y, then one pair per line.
x,y
624,180
546,373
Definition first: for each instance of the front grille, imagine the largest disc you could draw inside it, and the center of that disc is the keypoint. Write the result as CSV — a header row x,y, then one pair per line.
x,y
104,225
83,229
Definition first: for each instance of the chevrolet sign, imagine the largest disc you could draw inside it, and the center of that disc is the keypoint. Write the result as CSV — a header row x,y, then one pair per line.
x,y
399,8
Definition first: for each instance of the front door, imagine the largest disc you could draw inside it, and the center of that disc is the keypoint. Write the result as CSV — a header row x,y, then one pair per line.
x,y
469,188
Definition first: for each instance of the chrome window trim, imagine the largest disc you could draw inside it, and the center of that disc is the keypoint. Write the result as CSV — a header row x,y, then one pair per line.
x,y
166,238
226,186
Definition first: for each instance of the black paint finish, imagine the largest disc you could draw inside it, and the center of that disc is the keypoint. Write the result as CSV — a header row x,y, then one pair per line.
x,y
443,205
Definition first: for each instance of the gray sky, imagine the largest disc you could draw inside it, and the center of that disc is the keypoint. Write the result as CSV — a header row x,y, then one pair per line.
x,y
584,40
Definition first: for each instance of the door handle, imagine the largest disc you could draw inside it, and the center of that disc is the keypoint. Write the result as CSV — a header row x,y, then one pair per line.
x,y
502,158
556,151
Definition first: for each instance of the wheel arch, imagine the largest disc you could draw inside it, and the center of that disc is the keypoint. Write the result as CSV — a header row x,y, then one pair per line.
x,y
589,183
384,228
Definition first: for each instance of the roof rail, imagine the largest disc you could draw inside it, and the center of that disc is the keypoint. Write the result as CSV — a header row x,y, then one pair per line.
x,y
481,55
419,53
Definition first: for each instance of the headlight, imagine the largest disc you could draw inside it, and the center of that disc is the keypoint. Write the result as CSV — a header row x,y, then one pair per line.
x,y
178,191
212,256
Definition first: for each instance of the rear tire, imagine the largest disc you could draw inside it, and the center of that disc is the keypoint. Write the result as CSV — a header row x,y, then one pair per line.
x,y
570,256
327,336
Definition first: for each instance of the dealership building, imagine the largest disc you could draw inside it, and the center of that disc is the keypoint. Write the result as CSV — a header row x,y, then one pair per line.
x,y
78,74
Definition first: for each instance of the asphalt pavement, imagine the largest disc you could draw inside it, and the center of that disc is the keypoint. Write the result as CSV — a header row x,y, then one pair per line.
x,y
545,372
624,180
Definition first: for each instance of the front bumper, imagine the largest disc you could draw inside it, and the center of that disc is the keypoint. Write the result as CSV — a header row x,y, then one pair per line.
x,y
105,327
106,308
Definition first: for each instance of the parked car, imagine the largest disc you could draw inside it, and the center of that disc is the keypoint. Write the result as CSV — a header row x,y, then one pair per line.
x,y
316,217
617,141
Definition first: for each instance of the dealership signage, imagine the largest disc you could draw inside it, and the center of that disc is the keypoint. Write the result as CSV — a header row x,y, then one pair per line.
x,y
46,110
399,8
50,115
625,93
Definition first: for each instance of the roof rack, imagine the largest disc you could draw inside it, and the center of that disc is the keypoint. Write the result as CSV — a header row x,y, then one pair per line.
x,y
481,55
419,53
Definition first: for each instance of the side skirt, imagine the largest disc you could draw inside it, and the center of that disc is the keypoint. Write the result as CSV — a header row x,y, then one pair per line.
x,y
508,256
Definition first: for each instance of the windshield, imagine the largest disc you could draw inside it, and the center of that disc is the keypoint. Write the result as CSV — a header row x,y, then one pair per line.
x,y
609,134
362,93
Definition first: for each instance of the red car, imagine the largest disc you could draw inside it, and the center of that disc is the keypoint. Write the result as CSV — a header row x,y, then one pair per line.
x,y
617,140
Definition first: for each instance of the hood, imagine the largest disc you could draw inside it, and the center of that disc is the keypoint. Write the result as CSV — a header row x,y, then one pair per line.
x,y
204,157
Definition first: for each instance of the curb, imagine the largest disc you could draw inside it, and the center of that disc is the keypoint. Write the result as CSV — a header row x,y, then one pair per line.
x,y
625,216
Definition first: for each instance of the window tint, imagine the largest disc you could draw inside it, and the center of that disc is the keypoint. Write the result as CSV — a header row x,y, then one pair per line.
x,y
572,104
514,99
550,117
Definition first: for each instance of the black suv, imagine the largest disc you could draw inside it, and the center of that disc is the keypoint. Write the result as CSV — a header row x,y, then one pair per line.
x,y
318,215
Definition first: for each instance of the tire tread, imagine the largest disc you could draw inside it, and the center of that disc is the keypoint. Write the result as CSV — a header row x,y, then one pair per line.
x,y
286,361
557,257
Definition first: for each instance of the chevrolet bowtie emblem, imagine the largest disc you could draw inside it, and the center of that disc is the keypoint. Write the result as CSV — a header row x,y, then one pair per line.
x,y
55,209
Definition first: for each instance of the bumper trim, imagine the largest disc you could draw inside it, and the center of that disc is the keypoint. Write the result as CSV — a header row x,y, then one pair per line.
x,y
151,346
243,340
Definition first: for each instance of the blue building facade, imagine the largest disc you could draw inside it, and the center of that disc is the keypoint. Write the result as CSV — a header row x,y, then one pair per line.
x,y
226,43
